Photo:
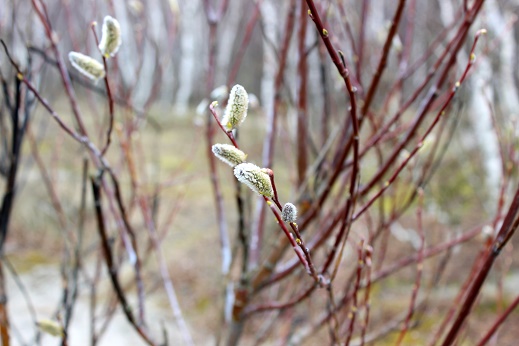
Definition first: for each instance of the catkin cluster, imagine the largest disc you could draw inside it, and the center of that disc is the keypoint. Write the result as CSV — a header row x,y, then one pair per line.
x,y
256,178
109,45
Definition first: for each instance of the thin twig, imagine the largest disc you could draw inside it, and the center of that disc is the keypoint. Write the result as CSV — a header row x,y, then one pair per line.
x,y
112,270
108,96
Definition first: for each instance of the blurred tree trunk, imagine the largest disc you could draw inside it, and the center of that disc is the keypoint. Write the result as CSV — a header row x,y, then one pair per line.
x,y
493,92
499,22
229,31
480,117
191,37
270,18
270,21
495,87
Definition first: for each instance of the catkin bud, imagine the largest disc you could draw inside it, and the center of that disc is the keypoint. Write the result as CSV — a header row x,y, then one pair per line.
x,y
236,110
110,37
229,154
219,93
289,213
50,327
88,66
487,233
255,178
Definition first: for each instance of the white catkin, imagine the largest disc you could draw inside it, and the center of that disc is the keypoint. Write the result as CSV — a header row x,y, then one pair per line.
x,y
110,37
87,65
50,327
236,110
289,213
229,154
255,178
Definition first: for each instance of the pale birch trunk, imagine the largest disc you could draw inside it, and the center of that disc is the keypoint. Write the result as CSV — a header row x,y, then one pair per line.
x,y
229,34
190,44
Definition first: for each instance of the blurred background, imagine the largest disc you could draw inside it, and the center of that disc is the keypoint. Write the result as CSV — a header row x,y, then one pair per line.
x,y
176,57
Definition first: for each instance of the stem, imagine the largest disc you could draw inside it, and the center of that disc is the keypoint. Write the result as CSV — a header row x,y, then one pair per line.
x,y
440,113
4,316
291,239
373,87
302,111
354,304
499,322
109,97
110,266
228,133
164,272
419,270
508,228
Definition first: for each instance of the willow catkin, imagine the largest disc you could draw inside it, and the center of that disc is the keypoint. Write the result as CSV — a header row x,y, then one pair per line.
x,y
236,110
110,37
50,327
289,213
87,65
255,178
229,154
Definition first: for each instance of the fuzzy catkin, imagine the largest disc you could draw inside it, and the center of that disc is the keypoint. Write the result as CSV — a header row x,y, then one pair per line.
x,y
50,327
110,37
229,154
236,110
87,65
255,178
289,213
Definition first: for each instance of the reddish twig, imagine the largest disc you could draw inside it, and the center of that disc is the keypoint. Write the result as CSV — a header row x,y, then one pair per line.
x,y
362,38
340,64
250,310
269,140
291,239
383,59
302,111
367,291
507,230
228,133
249,29
44,18
429,100
108,96
419,270
498,322
440,113
354,301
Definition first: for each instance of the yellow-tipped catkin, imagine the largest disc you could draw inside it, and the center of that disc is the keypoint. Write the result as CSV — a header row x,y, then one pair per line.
x,y
236,110
229,154
255,178
289,213
50,327
88,66
110,38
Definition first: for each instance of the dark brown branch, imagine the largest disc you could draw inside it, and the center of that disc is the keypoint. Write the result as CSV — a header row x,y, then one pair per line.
x,y
110,265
